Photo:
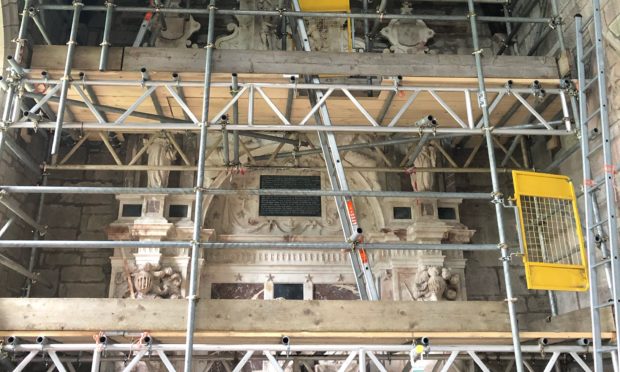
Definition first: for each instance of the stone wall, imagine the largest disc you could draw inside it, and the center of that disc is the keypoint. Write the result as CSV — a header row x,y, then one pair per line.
x,y
484,275
13,173
78,272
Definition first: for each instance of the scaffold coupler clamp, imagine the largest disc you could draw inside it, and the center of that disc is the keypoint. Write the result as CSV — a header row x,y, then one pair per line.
x,y
498,197
32,11
101,342
482,99
35,122
396,83
509,203
20,41
381,15
512,299
542,343
417,352
555,21
42,233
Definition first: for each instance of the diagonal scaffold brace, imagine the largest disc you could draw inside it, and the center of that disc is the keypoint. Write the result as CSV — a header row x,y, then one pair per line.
x,y
335,171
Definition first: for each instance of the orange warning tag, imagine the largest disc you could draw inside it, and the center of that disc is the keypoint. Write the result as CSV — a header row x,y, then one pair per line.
x,y
351,212
610,169
363,256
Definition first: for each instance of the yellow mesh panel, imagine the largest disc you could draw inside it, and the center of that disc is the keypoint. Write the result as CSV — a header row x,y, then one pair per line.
x,y
551,232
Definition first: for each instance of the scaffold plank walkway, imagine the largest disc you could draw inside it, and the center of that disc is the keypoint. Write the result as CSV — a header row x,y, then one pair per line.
x,y
227,321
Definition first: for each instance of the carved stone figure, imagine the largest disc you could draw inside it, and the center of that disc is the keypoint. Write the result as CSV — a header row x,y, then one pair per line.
x,y
161,153
331,35
261,33
178,30
423,181
253,33
434,284
407,36
151,281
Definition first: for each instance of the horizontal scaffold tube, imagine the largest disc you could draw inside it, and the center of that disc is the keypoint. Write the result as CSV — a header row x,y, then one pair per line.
x,y
284,86
184,127
93,244
186,168
183,191
276,13
299,347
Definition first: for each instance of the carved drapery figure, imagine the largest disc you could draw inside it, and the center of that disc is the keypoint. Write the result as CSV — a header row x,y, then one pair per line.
x,y
407,36
161,153
151,281
423,181
178,30
249,32
434,283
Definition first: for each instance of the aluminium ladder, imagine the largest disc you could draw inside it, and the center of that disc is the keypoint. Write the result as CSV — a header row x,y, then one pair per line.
x,y
335,171
600,233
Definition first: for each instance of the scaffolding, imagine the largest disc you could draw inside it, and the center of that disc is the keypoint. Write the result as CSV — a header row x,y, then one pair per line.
x,y
282,356
20,82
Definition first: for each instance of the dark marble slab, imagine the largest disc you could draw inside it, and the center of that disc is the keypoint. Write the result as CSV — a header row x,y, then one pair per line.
x,y
235,291
335,292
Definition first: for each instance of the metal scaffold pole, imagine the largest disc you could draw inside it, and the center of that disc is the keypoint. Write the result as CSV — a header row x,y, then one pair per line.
x,y
62,103
20,41
335,171
200,176
497,195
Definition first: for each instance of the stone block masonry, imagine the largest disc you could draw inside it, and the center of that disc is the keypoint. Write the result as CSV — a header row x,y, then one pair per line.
x,y
484,275
78,272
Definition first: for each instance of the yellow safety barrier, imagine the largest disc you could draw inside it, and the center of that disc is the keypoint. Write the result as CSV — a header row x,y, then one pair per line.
x,y
325,5
555,257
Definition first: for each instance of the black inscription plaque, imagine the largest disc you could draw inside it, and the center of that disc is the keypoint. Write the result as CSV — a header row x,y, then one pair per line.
x,y
289,205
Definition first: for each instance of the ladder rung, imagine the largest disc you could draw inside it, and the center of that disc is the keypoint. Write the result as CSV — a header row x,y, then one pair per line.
x,y
601,263
586,24
592,115
596,148
603,221
587,52
606,304
589,83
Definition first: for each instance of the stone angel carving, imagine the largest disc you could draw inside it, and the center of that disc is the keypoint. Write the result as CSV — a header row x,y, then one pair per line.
x,y
435,283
